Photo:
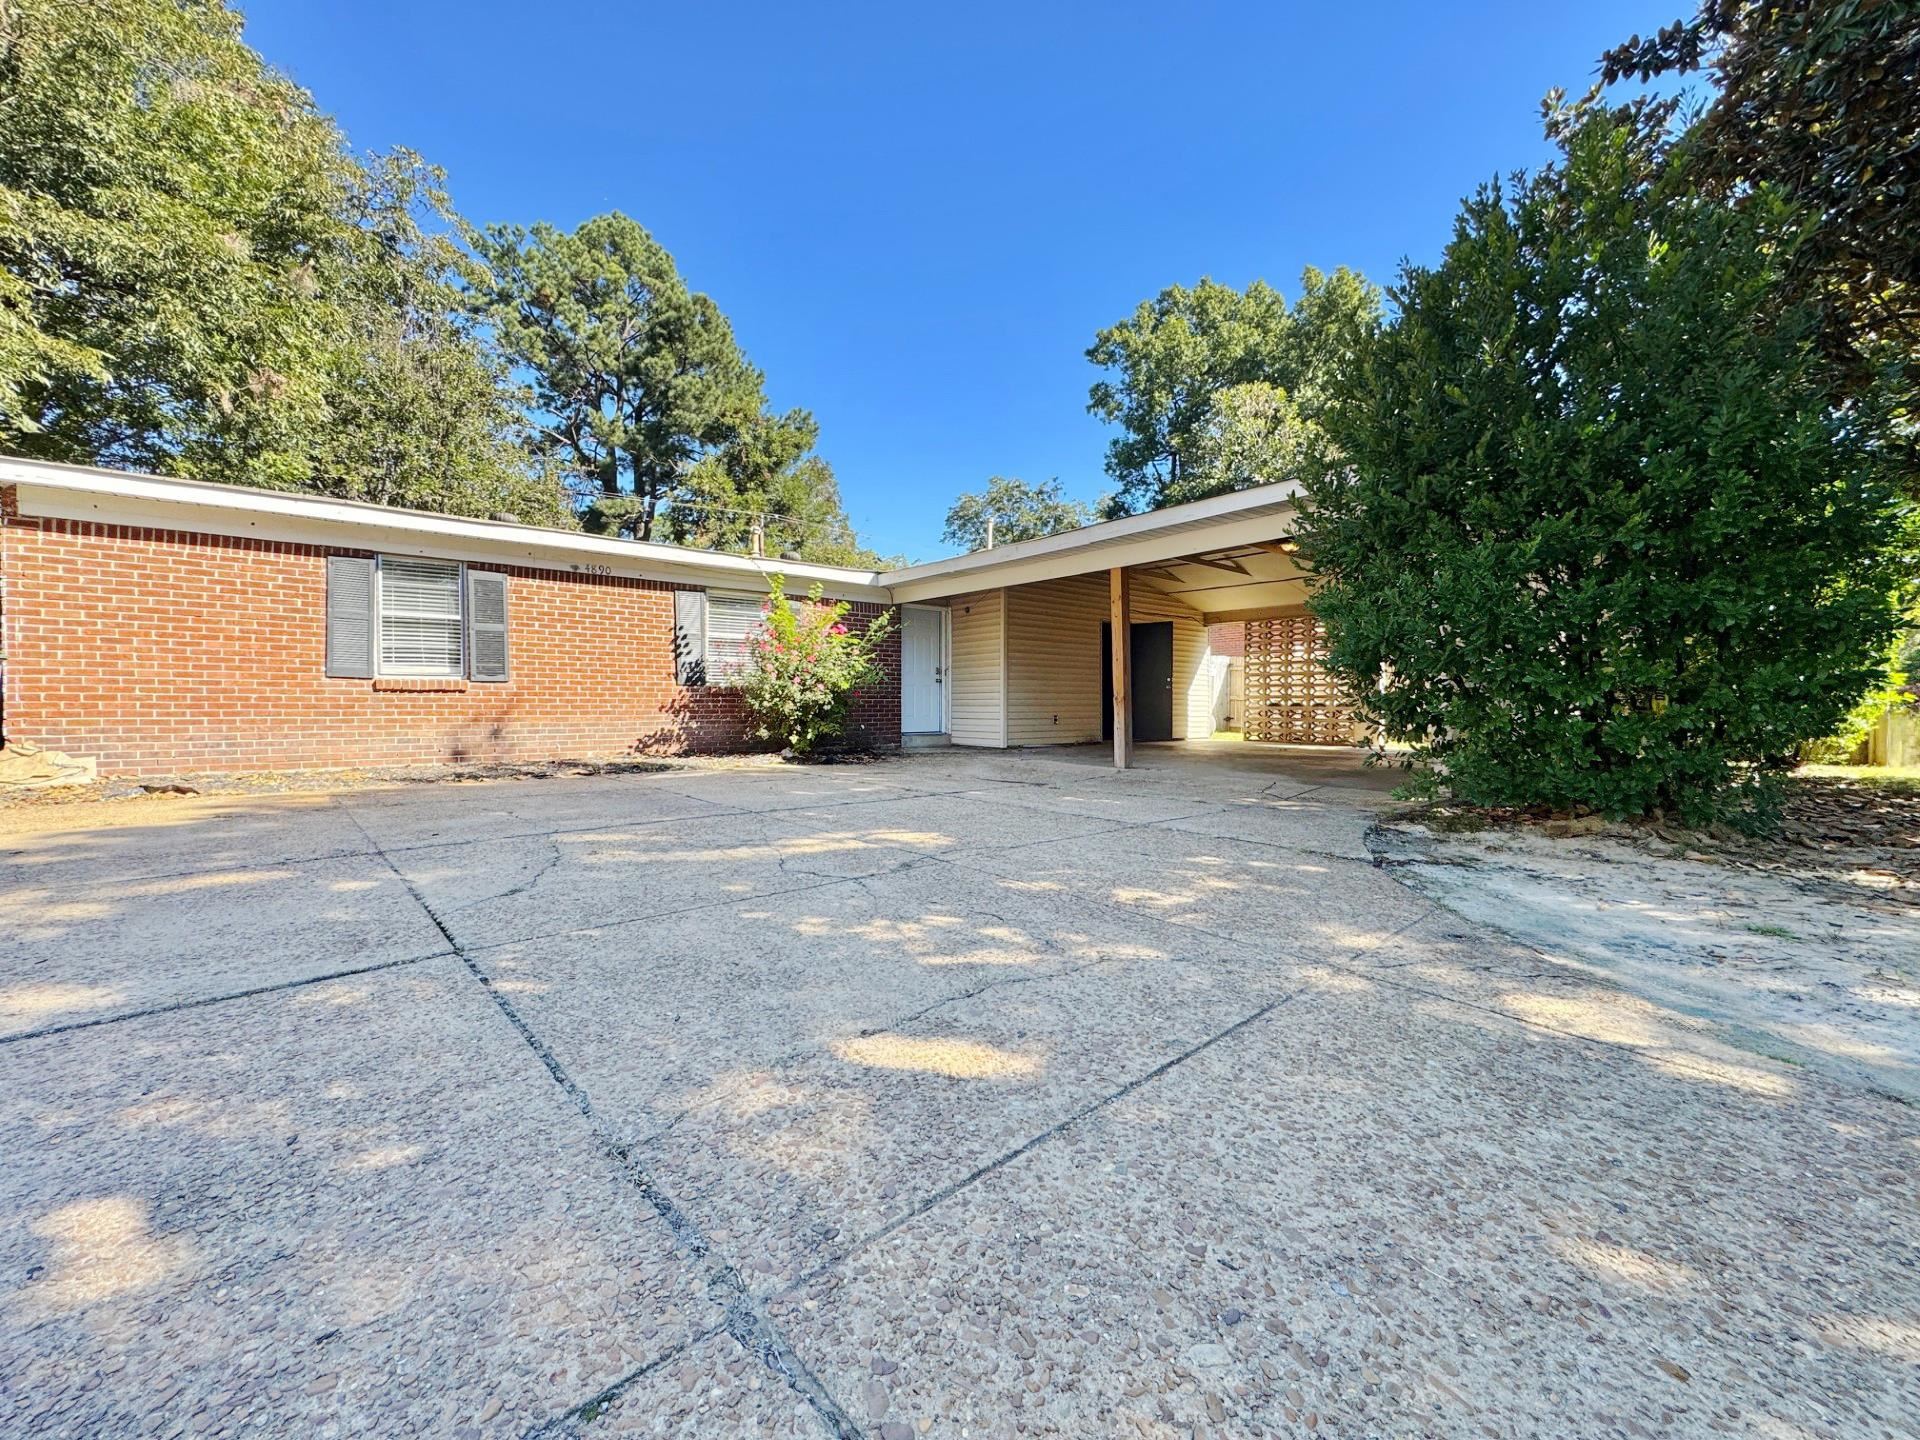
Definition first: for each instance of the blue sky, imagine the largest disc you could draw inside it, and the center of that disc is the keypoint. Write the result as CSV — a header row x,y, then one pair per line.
x,y
917,216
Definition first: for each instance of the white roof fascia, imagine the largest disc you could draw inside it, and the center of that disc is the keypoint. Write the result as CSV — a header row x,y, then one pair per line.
x,y
1243,518
114,497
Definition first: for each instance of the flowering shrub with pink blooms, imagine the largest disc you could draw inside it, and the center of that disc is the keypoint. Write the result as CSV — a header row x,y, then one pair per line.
x,y
805,667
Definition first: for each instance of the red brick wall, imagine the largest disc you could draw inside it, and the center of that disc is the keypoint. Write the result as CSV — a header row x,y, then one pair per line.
x,y
1228,639
167,650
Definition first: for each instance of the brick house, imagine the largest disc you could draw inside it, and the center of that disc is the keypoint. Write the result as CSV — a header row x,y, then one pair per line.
x,y
155,624
158,624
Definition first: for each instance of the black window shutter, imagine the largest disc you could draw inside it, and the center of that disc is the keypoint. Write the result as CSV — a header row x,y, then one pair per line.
x,y
350,616
690,637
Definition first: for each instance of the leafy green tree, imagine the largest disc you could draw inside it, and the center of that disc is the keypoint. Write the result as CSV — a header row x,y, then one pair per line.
x,y
420,412
1819,101
1180,349
1019,510
1169,360
1599,537
636,379
1253,434
197,277
165,202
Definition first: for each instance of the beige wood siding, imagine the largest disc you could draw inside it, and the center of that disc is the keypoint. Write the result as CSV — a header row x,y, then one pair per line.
x,y
1053,660
977,673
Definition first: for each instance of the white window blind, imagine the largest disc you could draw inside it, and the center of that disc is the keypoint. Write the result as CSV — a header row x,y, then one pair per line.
x,y
732,622
419,617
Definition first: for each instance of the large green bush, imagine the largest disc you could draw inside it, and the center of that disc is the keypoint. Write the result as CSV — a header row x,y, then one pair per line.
x,y
1597,535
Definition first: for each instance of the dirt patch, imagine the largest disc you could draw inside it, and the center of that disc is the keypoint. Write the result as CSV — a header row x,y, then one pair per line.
x,y
1805,948
1852,831
288,782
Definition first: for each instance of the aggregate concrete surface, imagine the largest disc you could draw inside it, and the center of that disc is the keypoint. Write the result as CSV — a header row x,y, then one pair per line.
x,y
960,1095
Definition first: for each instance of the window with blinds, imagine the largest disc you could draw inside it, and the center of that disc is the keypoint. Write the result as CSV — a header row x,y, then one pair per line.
x,y
420,617
732,622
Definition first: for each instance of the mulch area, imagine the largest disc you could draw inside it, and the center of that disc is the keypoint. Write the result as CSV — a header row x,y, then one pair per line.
x,y
1852,824
1849,833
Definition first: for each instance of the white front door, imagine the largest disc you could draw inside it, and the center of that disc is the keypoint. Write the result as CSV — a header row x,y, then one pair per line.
x,y
923,669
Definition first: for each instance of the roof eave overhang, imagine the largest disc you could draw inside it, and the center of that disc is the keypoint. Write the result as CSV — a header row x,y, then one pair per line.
x,y
116,497
1031,561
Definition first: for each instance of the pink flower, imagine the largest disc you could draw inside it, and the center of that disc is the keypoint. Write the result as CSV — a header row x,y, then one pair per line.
x,y
838,630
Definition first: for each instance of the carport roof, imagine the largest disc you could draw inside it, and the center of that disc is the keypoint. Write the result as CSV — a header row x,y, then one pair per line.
x,y
1229,557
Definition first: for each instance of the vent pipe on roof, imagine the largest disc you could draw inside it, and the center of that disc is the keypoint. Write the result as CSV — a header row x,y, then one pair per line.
x,y
989,532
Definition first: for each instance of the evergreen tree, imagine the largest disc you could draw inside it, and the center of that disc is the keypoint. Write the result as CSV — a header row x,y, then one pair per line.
x,y
1598,535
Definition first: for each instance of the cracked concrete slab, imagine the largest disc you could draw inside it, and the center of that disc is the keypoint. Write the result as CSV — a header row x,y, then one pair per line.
x,y
1373,1213
954,824
1103,795
420,815
1280,903
356,1208
715,1388
1313,820
798,788
801,1161
169,835
986,1094
489,892
655,1018
74,953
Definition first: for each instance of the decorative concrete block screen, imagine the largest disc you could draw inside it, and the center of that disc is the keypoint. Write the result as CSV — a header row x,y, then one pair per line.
x,y
1290,697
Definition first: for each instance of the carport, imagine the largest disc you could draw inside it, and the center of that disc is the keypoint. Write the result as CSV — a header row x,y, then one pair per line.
x,y
1025,653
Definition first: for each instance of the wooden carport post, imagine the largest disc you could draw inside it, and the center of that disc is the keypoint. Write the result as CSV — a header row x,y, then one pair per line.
x,y
1122,648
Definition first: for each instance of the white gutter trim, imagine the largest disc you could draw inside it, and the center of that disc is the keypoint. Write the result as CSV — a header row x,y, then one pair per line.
x,y
1107,532
425,526
1151,549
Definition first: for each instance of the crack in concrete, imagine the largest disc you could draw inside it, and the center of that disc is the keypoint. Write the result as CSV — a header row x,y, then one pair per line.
x,y
719,810
939,1197
553,861
1000,1162
200,1002
801,1052
143,877
678,910
587,1411
745,1320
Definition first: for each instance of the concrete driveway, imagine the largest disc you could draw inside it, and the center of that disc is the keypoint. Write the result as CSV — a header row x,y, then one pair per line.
x,y
961,1095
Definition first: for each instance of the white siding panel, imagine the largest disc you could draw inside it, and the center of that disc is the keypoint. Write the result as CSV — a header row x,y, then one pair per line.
x,y
977,673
